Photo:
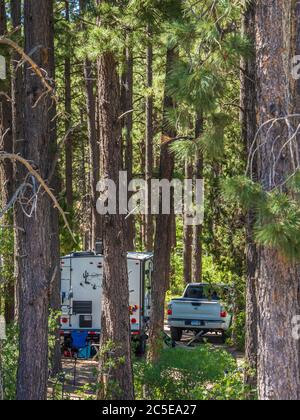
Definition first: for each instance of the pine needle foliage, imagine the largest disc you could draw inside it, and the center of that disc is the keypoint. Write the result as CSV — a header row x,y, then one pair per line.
x,y
277,214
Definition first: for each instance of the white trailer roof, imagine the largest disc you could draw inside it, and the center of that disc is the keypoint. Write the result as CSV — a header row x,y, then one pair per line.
x,y
141,256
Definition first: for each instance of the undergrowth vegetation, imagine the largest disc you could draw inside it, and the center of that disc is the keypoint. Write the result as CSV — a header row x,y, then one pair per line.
x,y
202,373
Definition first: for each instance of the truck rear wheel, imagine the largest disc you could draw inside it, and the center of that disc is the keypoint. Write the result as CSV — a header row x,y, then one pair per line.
x,y
176,334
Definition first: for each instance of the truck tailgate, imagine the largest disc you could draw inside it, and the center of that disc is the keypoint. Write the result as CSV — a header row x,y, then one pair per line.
x,y
196,309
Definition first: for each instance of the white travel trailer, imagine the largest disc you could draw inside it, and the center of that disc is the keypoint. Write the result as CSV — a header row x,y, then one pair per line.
x,y
81,293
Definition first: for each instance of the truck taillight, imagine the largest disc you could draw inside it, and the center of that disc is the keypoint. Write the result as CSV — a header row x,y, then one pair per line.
x,y
223,314
170,312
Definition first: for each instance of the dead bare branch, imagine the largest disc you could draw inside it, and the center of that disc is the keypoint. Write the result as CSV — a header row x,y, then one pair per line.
x,y
8,42
32,171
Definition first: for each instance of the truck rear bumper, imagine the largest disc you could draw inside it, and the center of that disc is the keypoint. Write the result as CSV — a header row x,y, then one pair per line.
x,y
196,324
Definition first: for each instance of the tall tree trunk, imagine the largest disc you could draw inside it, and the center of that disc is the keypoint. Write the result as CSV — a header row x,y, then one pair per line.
x,y
35,247
6,168
94,149
68,117
296,91
278,351
17,96
163,234
90,91
55,285
116,381
197,229
187,235
127,88
249,129
149,231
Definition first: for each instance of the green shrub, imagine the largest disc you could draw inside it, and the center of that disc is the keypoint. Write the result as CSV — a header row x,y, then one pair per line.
x,y
182,373
231,387
238,331
10,352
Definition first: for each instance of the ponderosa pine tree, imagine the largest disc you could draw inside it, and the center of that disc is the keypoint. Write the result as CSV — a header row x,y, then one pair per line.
x,y
6,168
115,378
188,232
278,285
197,251
34,249
68,116
17,97
249,129
127,119
163,232
94,147
149,228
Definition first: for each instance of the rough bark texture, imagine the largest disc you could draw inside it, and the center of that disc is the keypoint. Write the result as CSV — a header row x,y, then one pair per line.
x,y
296,88
68,117
116,382
96,228
55,286
163,235
187,236
198,229
6,168
34,249
278,352
249,128
149,231
17,96
127,88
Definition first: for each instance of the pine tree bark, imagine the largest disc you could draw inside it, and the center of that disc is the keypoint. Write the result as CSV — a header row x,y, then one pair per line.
x,y
197,229
127,88
94,149
278,351
6,168
187,235
149,230
55,280
68,117
249,129
296,87
163,233
17,97
34,249
117,381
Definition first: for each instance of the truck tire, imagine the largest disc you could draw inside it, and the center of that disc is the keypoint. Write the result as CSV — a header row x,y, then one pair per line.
x,y
176,334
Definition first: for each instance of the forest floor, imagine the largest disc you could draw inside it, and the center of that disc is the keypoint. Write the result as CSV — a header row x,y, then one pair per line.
x,y
77,383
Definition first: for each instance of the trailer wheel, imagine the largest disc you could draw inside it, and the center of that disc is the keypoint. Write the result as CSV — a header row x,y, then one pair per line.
x,y
176,334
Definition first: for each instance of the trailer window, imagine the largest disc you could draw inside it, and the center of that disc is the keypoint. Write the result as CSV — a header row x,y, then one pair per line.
x,y
82,307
